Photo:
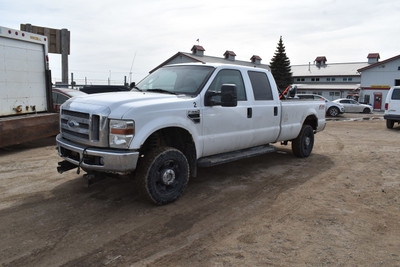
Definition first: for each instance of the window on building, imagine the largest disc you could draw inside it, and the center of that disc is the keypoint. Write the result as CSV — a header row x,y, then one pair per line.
x,y
345,79
298,79
350,79
328,79
313,79
333,79
396,82
317,79
302,79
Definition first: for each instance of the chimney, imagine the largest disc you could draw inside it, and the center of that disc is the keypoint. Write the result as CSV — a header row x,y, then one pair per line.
x,y
255,60
198,50
373,58
320,61
229,55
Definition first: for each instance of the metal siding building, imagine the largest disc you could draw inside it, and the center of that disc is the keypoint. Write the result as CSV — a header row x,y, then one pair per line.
x,y
335,80
376,80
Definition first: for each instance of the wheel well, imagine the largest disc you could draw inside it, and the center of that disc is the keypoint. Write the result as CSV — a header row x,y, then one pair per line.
x,y
174,137
312,121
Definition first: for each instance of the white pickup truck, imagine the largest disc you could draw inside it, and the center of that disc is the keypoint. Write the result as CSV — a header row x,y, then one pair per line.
x,y
181,117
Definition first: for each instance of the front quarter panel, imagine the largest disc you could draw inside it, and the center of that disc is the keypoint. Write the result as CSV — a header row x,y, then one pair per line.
x,y
164,116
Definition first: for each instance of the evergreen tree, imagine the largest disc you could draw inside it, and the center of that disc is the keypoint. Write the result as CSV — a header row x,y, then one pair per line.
x,y
280,67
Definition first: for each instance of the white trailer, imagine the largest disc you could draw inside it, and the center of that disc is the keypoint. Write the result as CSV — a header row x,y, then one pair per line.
x,y
26,108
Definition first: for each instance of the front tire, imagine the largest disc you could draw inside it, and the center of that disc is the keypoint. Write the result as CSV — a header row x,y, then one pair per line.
x,y
304,143
333,111
162,175
366,110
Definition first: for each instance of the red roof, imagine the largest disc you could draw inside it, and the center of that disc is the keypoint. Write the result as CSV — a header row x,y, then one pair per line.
x,y
379,63
321,59
231,53
255,58
374,55
198,47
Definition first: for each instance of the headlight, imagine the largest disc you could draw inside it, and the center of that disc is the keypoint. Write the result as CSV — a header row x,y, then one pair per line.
x,y
121,133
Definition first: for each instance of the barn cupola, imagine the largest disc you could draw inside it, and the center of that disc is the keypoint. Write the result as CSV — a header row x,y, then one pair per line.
x,y
373,58
229,55
255,60
198,50
320,61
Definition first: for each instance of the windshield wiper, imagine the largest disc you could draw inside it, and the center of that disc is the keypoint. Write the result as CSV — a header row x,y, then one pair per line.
x,y
158,90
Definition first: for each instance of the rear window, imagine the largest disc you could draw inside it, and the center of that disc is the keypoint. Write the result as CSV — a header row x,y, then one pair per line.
x,y
396,94
261,86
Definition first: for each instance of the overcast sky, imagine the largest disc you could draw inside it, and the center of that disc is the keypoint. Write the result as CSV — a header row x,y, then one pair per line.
x,y
107,36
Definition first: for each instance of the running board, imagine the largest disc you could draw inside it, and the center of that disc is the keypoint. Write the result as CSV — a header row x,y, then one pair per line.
x,y
235,155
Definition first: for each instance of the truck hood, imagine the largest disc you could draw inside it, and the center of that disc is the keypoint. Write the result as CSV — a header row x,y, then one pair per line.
x,y
119,102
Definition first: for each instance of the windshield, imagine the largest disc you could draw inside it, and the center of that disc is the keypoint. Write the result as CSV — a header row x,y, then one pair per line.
x,y
176,79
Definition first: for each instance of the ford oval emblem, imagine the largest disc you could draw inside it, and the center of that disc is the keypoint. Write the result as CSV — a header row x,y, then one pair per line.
x,y
72,124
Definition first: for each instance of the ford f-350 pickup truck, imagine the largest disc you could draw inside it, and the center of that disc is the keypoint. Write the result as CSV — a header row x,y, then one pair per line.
x,y
181,117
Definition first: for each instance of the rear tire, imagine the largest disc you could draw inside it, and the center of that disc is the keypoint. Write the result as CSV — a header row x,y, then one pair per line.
x,y
333,111
162,175
389,124
304,143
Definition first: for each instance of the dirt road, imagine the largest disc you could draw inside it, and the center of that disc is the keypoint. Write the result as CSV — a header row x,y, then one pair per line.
x,y
340,206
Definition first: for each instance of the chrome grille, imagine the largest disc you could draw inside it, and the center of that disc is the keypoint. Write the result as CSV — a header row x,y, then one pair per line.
x,y
85,128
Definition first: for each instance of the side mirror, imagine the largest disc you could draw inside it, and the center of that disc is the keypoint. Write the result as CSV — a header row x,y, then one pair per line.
x,y
226,98
292,91
132,85
228,95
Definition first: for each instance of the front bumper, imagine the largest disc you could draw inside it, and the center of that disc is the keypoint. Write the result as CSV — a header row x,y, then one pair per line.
x,y
97,159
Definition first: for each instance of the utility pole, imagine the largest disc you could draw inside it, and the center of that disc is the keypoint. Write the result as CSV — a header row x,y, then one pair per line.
x,y
64,54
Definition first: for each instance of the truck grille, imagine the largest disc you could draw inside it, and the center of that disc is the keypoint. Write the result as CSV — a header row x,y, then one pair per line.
x,y
85,128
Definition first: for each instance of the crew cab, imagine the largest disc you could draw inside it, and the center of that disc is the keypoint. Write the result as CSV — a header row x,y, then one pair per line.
x,y
181,117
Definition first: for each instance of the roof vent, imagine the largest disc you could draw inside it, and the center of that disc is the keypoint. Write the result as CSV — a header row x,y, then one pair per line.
x,y
373,58
198,50
229,55
256,60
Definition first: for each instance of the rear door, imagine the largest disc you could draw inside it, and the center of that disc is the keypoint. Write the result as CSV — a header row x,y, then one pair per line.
x,y
265,109
23,77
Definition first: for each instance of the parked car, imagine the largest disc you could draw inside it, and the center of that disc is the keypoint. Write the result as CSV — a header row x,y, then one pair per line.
x,y
332,109
392,107
60,95
351,105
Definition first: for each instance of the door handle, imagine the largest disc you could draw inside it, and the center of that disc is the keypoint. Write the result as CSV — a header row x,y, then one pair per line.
x,y
275,111
249,112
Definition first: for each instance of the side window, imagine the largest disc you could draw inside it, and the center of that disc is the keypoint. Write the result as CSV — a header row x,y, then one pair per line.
x,y
396,94
261,86
230,77
59,98
55,96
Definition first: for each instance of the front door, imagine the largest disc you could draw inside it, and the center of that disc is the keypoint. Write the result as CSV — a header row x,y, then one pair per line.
x,y
227,128
377,101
